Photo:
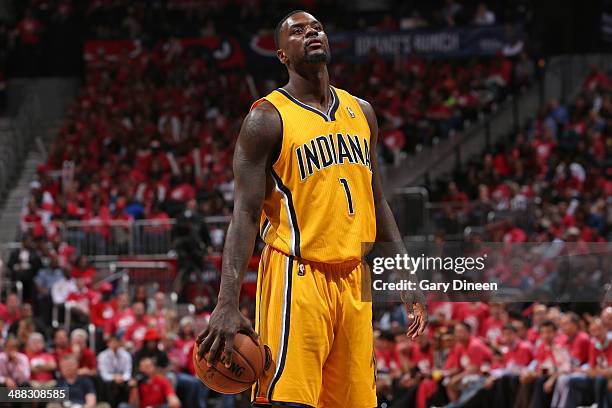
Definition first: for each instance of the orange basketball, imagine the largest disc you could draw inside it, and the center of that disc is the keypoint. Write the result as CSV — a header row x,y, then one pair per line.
x,y
249,360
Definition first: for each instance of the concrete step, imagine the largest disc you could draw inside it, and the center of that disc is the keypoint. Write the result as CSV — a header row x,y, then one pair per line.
x,y
13,205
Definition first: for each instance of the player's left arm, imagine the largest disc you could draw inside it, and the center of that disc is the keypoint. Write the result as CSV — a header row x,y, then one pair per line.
x,y
386,227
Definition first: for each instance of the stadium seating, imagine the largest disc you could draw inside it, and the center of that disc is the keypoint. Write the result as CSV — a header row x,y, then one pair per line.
x,y
142,166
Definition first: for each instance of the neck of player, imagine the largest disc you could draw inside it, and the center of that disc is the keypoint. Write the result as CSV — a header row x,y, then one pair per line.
x,y
310,83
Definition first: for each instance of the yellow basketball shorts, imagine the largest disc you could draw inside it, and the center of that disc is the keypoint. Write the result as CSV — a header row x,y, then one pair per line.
x,y
319,331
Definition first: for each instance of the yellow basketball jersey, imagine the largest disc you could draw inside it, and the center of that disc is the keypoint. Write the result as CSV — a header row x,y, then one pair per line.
x,y
322,206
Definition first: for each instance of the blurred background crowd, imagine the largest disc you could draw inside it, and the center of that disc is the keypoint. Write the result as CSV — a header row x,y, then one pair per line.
x,y
139,172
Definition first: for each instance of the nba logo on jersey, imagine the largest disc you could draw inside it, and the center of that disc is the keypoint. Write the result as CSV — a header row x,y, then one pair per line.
x,y
301,270
350,112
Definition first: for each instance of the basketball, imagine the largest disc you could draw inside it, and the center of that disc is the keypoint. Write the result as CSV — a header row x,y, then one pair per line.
x,y
249,360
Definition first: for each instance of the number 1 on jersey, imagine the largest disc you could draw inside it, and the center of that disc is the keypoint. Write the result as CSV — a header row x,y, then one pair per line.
x,y
349,199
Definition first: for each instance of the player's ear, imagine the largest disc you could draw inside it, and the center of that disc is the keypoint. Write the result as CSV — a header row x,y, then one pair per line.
x,y
282,57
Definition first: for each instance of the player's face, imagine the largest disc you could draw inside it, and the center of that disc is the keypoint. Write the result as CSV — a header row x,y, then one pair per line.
x,y
303,40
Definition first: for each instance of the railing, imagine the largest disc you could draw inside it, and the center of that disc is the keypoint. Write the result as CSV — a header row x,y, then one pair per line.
x,y
96,237
157,275
110,238
477,213
418,219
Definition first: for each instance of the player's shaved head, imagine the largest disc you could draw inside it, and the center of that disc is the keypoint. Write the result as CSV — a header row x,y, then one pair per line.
x,y
280,25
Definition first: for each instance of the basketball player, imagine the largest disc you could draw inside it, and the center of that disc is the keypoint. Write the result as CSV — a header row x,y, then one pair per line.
x,y
306,174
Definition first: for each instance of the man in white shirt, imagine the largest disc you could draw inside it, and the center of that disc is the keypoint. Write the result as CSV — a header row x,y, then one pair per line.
x,y
115,368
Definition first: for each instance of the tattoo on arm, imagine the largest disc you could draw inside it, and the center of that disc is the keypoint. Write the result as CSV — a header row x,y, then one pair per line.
x,y
257,144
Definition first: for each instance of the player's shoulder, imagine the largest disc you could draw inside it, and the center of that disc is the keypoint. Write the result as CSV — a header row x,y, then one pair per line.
x,y
263,107
263,112
262,125
365,105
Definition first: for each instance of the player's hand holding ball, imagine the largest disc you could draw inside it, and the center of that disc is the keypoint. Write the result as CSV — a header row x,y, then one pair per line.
x,y
229,357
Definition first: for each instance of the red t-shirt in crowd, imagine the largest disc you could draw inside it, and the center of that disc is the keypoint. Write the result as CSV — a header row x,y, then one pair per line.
x,y
155,392
519,355
59,353
579,347
135,333
544,355
87,272
423,359
472,313
475,353
387,360
160,320
38,359
553,357
102,313
600,355
8,317
533,334
395,140
121,320
87,359
185,347
491,329
84,298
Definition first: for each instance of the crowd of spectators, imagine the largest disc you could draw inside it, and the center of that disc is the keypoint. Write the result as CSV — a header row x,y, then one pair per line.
x,y
420,102
550,182
139,354
503,355
149,137
472,353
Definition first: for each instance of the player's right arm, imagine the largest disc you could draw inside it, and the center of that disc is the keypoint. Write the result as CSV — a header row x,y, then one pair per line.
x,y
256,149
